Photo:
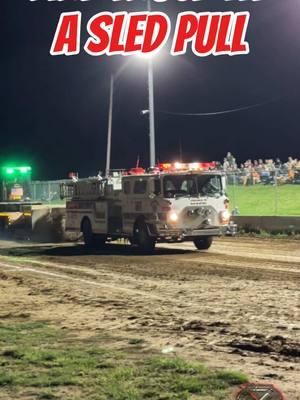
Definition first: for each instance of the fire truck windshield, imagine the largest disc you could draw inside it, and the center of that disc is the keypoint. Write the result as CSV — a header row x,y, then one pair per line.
x,y
192,185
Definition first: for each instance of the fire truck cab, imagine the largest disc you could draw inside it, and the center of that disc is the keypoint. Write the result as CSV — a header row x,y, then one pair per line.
x,y
172,203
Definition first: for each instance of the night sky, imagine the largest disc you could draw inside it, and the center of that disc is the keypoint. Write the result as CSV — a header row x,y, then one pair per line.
x,y
54,109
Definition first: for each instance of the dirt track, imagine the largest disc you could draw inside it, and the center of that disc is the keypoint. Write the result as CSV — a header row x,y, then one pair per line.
x,y
234,306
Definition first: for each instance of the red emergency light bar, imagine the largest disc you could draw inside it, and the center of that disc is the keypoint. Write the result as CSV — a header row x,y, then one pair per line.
x,y
196,166
136,171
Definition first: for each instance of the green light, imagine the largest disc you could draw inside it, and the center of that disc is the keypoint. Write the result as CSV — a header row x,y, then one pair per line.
x,y
24,170
15,171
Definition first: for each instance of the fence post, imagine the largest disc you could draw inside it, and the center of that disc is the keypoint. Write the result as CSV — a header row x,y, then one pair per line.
x,y
276,192
34,191
234,191
49,191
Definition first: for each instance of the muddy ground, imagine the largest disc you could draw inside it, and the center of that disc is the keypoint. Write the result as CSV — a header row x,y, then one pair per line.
x,y
235,306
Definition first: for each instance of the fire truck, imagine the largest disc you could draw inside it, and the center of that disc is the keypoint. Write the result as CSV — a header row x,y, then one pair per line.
x,y
170,203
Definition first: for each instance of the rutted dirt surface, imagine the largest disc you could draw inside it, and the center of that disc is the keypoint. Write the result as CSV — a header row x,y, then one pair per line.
x,y
235,306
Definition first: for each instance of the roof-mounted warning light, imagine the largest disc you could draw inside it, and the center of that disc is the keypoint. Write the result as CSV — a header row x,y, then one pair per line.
x,y
136,171
178,166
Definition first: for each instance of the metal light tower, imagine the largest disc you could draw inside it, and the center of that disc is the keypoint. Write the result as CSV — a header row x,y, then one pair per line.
x,y
151,107
109,130
151,114
151,117
152,157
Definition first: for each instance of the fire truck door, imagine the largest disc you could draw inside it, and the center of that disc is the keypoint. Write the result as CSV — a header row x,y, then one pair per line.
x,y
101,216
115,222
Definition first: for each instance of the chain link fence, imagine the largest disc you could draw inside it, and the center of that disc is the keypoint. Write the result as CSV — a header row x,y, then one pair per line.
x,y
271,193
46,191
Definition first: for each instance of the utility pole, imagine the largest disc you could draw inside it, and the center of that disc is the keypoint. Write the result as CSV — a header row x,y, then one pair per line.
x,y
180,149
151,114
151,106
152,156
109,131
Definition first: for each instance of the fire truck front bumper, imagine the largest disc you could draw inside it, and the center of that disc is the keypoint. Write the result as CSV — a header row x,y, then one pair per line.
x,y
170,233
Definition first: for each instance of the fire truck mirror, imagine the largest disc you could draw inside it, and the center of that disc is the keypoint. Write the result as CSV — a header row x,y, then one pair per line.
x,y
223,184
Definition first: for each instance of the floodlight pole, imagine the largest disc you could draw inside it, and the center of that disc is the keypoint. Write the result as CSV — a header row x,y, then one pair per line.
x,y
151,106
109,130
151,112
151,115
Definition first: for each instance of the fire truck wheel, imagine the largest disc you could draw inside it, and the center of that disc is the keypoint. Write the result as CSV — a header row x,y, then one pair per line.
x,y
145,242
88,236
203,242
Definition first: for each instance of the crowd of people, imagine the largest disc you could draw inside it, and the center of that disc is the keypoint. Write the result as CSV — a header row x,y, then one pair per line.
x,y
269,171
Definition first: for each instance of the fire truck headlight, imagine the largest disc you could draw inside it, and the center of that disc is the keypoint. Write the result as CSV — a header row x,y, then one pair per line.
x,y
225,216
173,217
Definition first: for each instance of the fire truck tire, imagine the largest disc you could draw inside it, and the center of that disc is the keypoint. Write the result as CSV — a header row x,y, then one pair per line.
x,y
88,236
144,241
203,242
91,240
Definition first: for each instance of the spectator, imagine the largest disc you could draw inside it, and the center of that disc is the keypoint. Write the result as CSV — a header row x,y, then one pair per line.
x,y
265,172
230,160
